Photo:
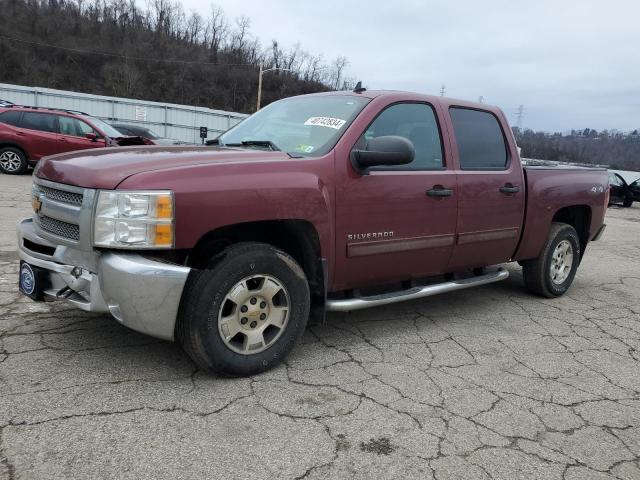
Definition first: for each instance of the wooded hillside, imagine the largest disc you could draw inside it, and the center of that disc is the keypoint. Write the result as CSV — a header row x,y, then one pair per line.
x,y
114,47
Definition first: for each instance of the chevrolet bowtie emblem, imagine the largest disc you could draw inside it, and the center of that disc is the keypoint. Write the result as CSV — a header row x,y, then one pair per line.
x,y
37,204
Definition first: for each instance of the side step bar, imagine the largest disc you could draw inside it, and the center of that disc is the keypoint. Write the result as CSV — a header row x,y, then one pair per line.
x,y
348,304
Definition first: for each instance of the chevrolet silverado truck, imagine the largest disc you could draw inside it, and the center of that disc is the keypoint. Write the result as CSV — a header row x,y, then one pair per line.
x,y
318,203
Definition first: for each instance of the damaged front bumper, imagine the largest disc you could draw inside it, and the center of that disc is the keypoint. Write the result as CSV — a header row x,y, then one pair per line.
x,y
140,293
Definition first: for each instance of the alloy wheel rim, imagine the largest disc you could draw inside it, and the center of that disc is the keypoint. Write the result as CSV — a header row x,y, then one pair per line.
x,y
561,262
10,161
254,314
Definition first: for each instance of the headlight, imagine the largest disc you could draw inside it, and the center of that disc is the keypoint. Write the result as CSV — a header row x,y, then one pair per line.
x,y
134,220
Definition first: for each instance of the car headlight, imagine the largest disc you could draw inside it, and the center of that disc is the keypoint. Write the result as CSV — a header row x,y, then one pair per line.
x,y
134,220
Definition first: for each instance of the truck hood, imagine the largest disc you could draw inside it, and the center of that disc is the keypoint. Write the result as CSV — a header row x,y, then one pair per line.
x,y
108,167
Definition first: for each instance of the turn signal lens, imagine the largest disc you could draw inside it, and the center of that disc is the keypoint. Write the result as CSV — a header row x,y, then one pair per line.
x,y
163,235
164,207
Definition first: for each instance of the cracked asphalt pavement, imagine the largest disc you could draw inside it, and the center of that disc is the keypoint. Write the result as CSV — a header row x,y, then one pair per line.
x,y
487,383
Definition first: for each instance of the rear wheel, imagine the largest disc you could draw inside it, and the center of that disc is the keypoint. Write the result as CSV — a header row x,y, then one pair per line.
x,y
13,161
551,274
243,313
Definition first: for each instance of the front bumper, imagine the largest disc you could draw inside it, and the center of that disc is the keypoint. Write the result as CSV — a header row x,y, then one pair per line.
x,y
140,293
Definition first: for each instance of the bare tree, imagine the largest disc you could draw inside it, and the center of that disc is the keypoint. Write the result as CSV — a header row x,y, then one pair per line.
x,y
337,69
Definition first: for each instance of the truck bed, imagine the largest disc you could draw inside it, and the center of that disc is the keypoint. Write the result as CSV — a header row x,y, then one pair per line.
x,y
553,191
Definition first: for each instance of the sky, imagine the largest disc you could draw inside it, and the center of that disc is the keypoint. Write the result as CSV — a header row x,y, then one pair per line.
x,y
571,64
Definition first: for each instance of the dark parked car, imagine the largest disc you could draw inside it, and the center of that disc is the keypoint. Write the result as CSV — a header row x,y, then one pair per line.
x,y
622,192
29,133
140,131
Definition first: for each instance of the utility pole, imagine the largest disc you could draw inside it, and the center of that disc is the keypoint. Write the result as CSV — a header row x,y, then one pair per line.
x,y
443,89
520,116
480,99
259,88
262,72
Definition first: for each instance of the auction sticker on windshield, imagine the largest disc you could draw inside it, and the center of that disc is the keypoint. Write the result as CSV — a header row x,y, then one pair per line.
x,y
329,122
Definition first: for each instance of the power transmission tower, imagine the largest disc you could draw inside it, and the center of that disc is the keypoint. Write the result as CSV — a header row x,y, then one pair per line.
x,y
443,89
520,116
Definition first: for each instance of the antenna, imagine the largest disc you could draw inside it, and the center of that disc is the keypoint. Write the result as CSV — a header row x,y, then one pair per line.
x,y
443,89
359,88
520,116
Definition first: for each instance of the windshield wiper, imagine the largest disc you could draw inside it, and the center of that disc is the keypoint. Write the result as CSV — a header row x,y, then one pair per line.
x,y
255,143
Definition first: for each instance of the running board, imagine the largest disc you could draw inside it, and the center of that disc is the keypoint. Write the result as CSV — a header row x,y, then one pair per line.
x,y
348,304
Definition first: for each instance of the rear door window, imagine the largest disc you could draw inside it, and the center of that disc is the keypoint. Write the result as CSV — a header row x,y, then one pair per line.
x,y
10,118
480,139
43,122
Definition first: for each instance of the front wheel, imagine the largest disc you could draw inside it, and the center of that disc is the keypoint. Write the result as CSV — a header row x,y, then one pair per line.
x,y
243,313
551,274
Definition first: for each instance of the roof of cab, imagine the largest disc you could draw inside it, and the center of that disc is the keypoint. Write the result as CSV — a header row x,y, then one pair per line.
x,y
401,95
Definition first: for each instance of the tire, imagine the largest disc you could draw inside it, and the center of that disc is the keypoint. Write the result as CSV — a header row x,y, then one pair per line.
x,y
13,161
627,202
549,275
211,326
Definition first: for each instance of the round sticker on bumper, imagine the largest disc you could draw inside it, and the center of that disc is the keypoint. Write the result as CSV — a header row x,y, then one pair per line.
x,y
27,279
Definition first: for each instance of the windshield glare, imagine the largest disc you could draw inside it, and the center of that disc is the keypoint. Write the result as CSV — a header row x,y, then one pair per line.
x,y
105,128
299,125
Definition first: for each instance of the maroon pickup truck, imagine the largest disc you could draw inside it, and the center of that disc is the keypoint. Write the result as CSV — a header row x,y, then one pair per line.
x,y
324,202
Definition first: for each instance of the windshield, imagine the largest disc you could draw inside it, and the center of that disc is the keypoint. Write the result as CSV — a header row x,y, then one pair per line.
x,y
300,126
149,134
105,128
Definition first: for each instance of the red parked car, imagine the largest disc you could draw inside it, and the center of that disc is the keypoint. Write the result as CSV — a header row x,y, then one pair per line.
x,y
29,133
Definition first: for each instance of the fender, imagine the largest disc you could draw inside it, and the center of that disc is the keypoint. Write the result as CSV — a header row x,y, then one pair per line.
x,y
208,197
14,144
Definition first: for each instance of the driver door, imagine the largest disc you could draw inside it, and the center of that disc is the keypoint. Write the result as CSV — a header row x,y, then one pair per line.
x,y
388,227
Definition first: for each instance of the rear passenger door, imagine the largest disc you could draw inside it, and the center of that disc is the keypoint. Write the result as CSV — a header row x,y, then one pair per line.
x,y
39,132
490,190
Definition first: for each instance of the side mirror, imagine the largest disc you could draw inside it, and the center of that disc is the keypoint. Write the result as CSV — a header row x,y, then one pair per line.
x,y
92,136
386,150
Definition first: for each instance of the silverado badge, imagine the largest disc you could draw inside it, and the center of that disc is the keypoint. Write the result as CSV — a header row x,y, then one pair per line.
x,y
369,235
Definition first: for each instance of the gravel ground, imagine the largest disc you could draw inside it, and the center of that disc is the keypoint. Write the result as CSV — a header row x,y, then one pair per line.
x,y
485,383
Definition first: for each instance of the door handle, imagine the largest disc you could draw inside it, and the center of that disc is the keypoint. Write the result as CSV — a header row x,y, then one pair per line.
x,y
509,189
22,134
439,191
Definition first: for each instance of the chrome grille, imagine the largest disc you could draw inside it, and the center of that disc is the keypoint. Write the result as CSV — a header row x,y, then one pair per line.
x,y
61,195
60,228
63,213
